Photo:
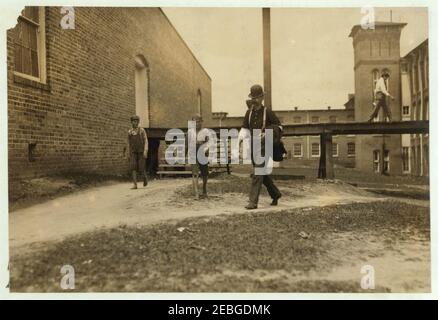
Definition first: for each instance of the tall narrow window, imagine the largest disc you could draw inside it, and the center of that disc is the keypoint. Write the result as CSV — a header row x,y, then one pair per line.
x,y
351,149
405,158
335,150
29,44
142,90
375,77
298,150
386,161
315,150
199,103
376,161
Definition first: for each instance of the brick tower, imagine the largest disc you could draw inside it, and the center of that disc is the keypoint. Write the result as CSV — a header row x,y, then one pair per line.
x,y
376,50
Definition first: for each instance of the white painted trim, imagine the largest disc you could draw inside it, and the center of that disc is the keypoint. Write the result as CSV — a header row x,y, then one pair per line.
x,y
319,150
41,49
301,151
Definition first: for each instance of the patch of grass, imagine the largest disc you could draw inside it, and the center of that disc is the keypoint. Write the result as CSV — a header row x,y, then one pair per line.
x,y
407,193
162,258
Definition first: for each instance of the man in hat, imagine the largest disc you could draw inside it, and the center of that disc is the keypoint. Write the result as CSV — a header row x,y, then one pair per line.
x,y
137,150
260,117
381,92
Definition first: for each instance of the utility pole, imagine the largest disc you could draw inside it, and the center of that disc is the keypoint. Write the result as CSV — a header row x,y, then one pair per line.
x,y
267,56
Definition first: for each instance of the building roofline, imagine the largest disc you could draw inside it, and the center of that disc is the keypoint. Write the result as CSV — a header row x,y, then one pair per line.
x,y
377,24
183,41
423,43
301,110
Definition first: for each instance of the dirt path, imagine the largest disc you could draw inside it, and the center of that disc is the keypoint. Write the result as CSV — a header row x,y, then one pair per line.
x,y
114,205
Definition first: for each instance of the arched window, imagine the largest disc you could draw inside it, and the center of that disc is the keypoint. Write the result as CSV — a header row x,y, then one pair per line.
x,y
199,103
375,76
142,90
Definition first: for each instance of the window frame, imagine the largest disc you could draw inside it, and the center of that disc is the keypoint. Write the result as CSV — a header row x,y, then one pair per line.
x,y
301,150
319,150
335,155
315,117
351,155
41,48
376,162
406,159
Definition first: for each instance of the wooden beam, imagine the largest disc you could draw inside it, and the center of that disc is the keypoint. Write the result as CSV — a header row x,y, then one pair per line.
x,y
358,128
326,168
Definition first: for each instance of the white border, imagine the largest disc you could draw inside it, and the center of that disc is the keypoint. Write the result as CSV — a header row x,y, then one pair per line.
x,y
8,15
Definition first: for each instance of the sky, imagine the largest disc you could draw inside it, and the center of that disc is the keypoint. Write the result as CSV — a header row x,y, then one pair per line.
x,y
312,55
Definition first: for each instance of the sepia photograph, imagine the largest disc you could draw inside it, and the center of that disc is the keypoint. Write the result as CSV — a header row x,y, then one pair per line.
x,y
218,149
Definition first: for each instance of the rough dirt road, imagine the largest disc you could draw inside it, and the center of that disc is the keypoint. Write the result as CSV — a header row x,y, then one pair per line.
x,y
116,204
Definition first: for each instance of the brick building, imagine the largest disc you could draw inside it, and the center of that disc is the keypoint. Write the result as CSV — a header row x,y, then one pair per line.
x,y
415,106
71,92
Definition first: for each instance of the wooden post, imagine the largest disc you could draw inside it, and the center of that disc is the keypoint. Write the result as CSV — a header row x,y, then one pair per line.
x,y
267,56
326,170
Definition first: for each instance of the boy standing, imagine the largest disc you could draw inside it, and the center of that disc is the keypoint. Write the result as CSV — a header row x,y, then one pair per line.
x,y
137,150
199,168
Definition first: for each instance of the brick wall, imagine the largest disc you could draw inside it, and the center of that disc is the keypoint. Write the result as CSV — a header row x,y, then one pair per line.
x,y
78,121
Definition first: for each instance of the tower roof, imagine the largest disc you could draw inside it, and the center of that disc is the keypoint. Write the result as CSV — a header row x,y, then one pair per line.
x,y
377,24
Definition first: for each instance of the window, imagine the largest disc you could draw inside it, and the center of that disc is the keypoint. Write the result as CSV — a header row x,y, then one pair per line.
x,y
315,150
426,71
416,78
29,45
332,119
351,149
142,90
350,118
315,119
405,158
298,150
406,110
199,103
426,110
297,119
386,161
376,161
375,76
335,150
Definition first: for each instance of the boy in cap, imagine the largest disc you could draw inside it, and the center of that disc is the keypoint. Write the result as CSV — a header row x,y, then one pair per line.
x,y
199,167
137,150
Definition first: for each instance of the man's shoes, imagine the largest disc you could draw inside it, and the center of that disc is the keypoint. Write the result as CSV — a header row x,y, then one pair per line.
x,y
251,207
145,182
134,187
275,201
